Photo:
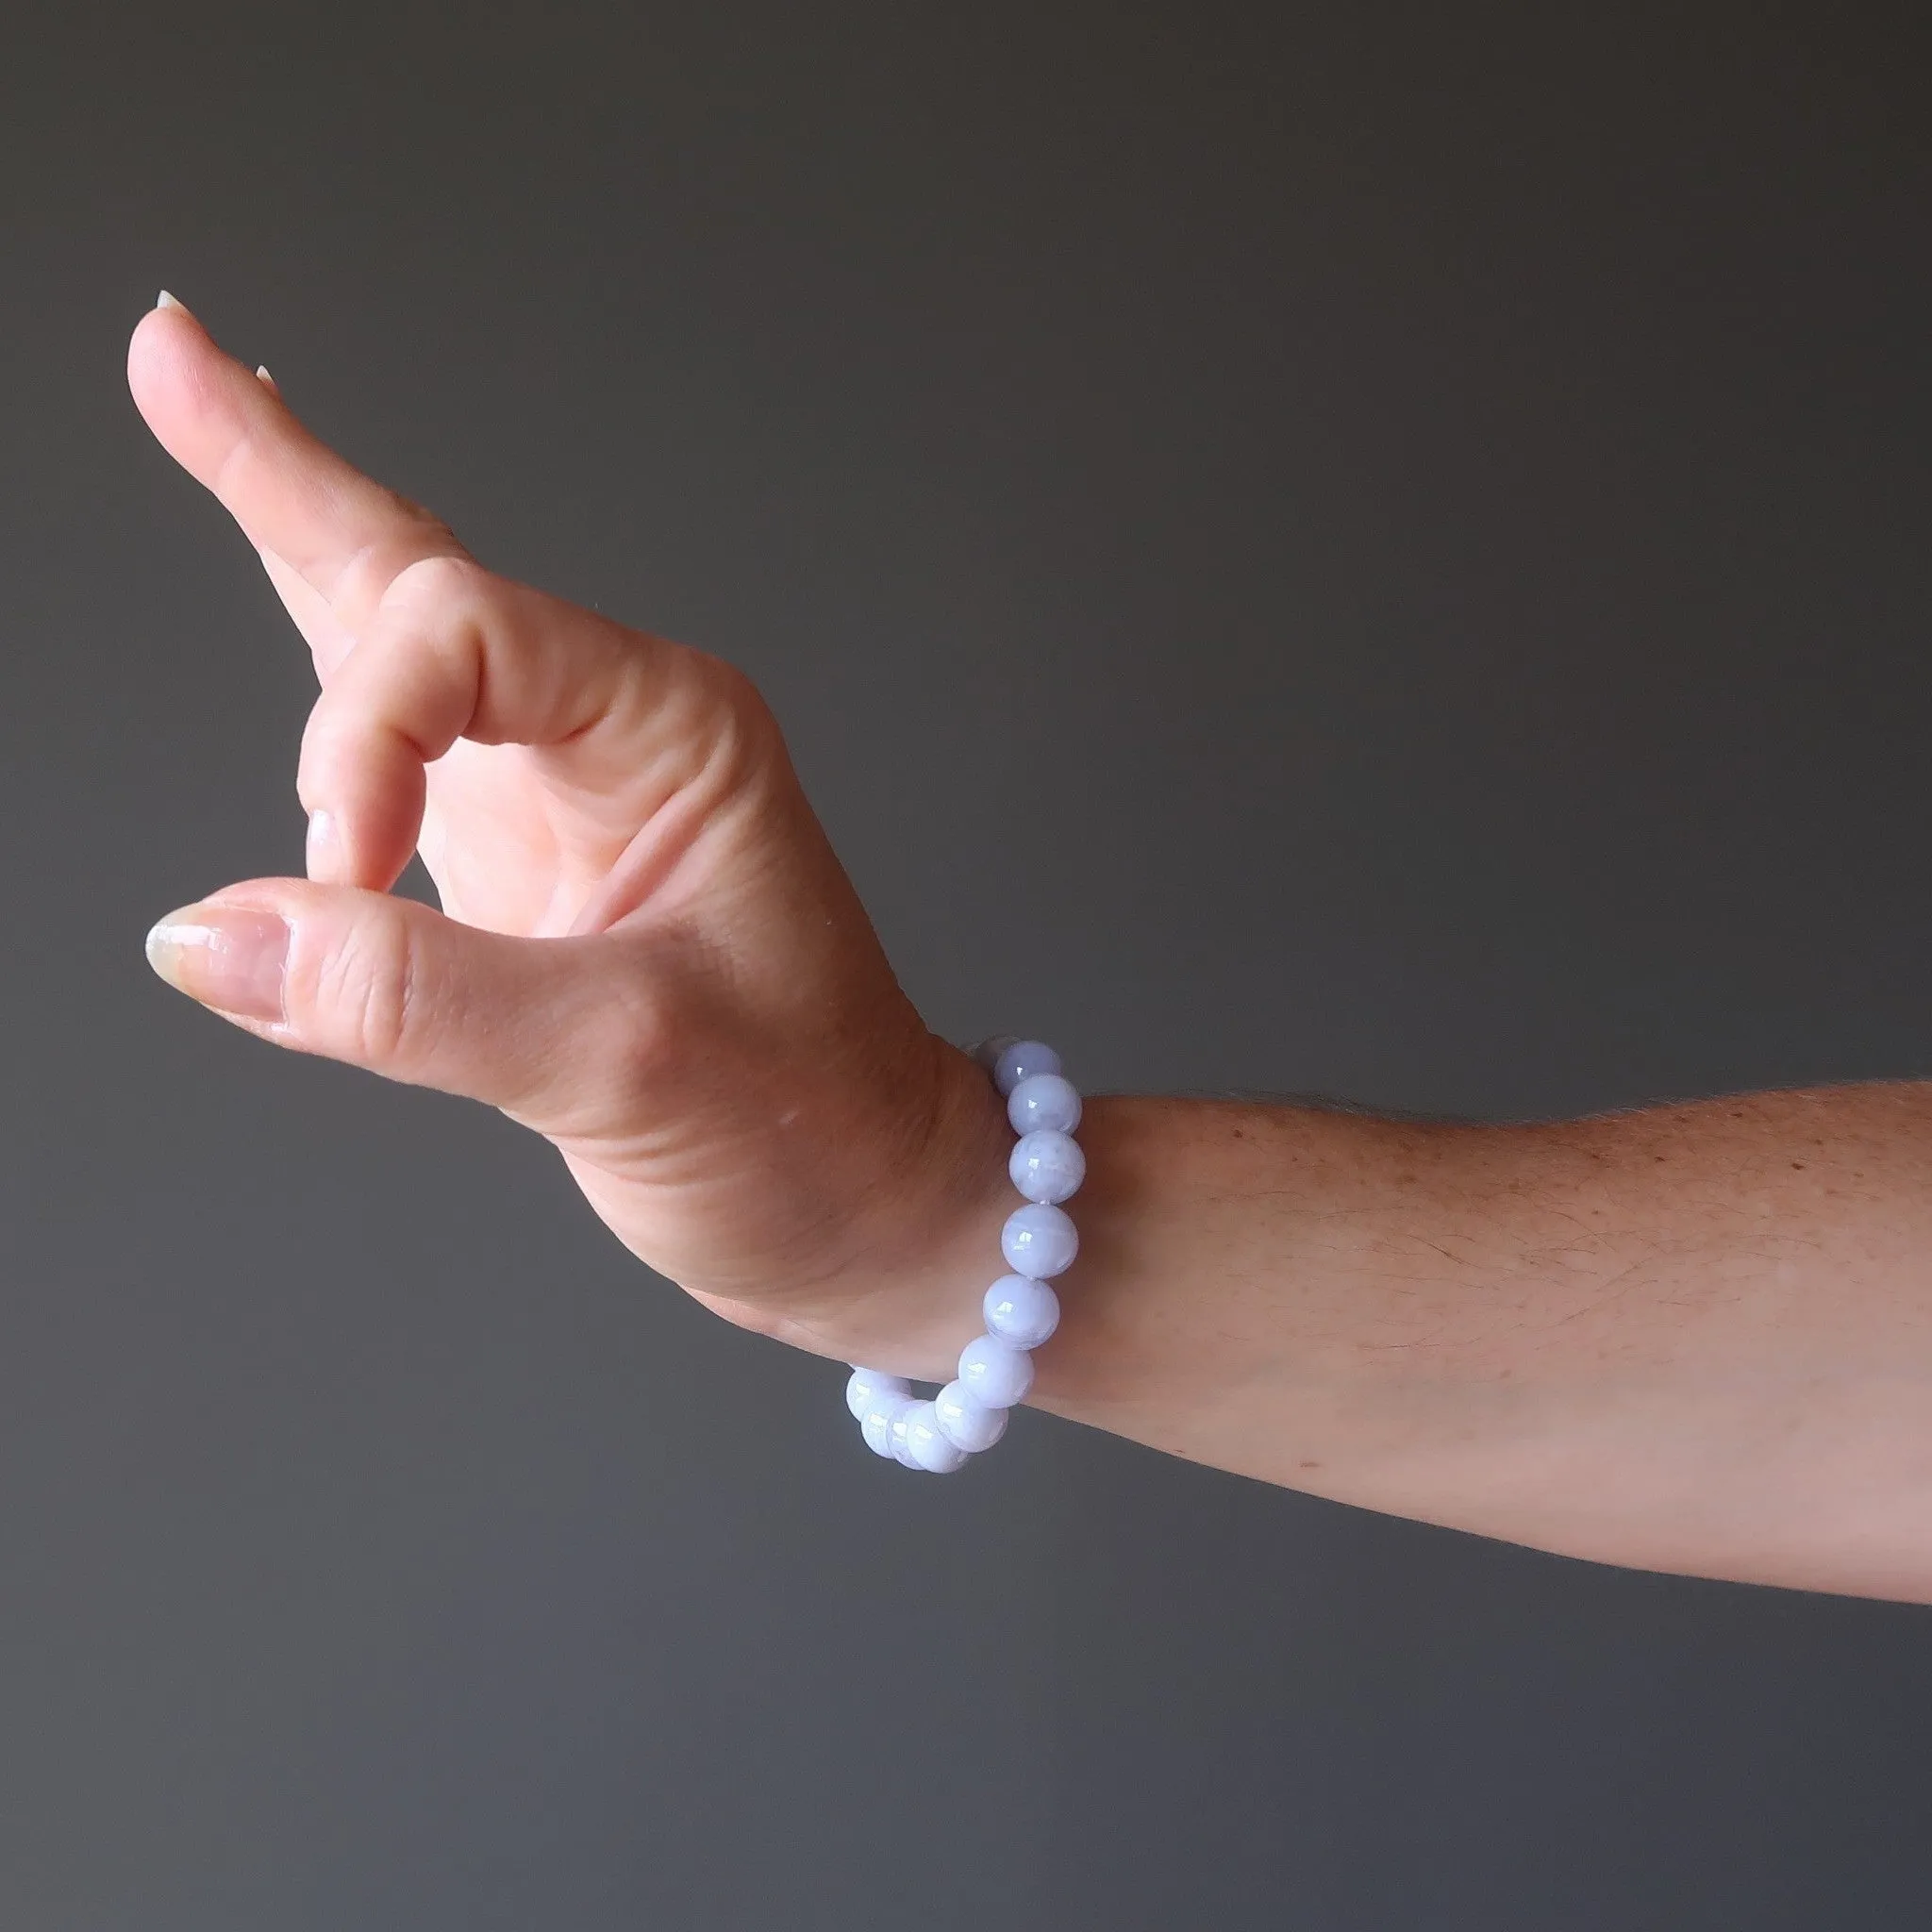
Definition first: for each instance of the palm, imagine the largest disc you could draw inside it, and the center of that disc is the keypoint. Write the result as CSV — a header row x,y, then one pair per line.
x,y
503,854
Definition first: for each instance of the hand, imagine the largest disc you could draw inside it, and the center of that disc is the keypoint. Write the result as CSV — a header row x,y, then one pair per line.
x,y
648,952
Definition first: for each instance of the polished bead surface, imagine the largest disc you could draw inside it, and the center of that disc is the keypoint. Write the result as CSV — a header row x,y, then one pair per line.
x,y
899,1434
994,1372
1021,1310
986,1053
1047,1165
932,1449
868,1385
1039,1240
1022,1059
875,1424
965,1421
1044,1100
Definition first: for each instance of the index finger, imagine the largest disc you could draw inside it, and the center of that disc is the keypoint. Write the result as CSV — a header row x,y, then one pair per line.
x,y
345,536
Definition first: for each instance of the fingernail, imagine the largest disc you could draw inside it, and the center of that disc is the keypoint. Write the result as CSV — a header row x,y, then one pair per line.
x,y
164,300
326,850
227,956
267,381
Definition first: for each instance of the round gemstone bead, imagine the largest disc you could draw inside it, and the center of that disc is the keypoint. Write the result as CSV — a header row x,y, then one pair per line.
x,y
1044,1100
875,1424
1047,1165
932,1449
986,1054
1039,1240
899,1434
966,1420
1021,1310
1020,1060
867,1385
994,1372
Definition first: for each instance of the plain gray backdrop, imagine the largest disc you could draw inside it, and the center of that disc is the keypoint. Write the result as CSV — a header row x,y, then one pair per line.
x,y
1366,550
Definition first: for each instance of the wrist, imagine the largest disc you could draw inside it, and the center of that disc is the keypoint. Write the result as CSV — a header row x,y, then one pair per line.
x,y
909,1297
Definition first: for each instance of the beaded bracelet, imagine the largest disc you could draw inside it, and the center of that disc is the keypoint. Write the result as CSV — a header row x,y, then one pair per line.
x,y
969,1414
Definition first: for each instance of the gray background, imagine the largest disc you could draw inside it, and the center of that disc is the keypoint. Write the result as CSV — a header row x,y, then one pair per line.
x,y
1353,549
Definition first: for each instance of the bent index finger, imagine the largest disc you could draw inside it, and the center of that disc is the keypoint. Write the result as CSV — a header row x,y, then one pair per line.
x,y
344,534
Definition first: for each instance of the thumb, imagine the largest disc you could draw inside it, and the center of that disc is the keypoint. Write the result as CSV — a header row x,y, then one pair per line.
x,y
543,1029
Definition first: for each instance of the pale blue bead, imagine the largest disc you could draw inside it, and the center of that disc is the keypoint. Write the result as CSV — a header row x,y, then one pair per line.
x,y
1021,1310
1021,1060
965,1421
932,1449
875,1424
1047,1165
1044,1100
868,1385
899,1434
986,1053
994,1372
1039,1240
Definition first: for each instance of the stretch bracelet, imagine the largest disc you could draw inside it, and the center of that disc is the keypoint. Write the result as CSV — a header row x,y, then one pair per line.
x,y
995,1369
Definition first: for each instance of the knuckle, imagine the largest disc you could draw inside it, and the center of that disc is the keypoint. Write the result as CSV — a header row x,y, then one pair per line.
x,y
368,580
435,583
620,1038
641,1037
636,1036
370,988
742,702
733,730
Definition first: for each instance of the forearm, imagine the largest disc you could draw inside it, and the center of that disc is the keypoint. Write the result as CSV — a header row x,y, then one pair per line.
x,y
1694,1338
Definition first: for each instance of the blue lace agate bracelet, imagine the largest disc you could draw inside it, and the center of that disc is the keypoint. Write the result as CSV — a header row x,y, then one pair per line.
x,y
995,1372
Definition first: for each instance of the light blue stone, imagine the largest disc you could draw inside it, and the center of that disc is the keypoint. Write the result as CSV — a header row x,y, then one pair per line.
x,y
1047,1165
994,1372
868,1386
964,1420
1039,1241
1043,1101
875,1424
1021,1310
986,1053
930,1447
1021,1060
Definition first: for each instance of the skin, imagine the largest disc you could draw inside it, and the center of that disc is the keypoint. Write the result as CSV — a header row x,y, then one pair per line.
x,y
1694,1338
